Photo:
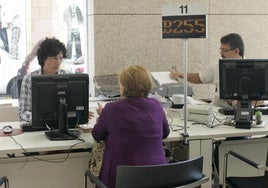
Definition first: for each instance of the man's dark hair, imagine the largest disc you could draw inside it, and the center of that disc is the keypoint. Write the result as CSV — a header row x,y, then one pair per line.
x,y
50,47
234,40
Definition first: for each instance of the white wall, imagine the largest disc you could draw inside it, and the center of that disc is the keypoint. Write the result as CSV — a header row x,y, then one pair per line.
x,y
128,32
9,113
125,32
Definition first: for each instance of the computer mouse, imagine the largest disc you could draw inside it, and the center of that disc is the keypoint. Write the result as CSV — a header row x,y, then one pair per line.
x,y
7,129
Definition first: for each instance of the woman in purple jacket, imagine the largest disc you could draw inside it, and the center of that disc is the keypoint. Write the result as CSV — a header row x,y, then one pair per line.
x,y
133,127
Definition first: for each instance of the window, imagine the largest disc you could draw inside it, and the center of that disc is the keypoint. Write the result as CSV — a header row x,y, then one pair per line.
x,y
21,30
12,42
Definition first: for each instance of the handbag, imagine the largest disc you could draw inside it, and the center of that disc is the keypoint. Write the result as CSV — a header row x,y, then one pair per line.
x,y
96,157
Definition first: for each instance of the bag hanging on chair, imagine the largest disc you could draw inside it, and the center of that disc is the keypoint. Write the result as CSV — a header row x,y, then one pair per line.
x,y
96,157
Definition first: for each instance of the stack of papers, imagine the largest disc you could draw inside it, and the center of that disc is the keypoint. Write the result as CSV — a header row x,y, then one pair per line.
x,y
163,77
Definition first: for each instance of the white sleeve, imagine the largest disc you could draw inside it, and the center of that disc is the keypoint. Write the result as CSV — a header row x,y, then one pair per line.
x,y
210,75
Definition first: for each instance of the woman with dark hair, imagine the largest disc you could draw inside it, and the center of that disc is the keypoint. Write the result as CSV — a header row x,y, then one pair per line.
x,y
50,55
133,127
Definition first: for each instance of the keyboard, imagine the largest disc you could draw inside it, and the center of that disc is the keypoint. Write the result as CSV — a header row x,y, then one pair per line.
x,y
231,111
27,127
56,135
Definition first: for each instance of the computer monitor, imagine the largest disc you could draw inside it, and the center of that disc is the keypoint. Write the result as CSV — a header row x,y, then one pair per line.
x,y
243,80
60,102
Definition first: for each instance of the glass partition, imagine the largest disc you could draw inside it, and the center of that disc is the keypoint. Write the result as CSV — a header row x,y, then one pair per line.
x,y
23,25
12,43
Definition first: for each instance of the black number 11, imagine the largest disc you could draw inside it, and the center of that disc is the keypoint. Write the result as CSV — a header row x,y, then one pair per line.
x,y
184,8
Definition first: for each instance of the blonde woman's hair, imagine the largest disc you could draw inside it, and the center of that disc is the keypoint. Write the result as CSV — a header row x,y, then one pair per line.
x,y
135,81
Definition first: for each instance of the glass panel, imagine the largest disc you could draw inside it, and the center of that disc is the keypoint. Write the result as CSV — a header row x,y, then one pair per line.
x,y
12,43
73,20
64,19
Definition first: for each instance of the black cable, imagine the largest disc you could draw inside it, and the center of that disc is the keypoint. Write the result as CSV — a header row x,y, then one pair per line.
x,y
180,127
51,161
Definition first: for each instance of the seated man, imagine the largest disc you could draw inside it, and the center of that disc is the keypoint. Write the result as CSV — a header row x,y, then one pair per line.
x,y
232,46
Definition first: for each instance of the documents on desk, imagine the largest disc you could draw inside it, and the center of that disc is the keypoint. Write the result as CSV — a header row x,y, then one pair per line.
x,y
89,126
166,86
201,114
197,112
207,114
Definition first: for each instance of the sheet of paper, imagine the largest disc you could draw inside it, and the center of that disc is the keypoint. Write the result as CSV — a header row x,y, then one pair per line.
x,y
194,101
163,77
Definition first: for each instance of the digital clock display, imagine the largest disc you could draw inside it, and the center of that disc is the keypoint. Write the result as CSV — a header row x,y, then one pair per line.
x,y
191,26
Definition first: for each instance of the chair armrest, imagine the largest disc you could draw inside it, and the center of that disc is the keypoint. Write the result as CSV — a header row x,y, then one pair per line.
x,y
196,183
4,180
242,158
248,161
94,179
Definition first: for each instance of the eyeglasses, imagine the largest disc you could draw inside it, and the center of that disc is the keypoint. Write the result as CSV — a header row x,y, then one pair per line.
x,y
224,51
56,58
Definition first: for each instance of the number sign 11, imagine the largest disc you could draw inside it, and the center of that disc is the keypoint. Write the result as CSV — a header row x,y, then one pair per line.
x,y
184,21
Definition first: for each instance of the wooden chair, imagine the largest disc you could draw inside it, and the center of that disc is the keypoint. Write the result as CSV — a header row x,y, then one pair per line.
x,y
184,174
245,182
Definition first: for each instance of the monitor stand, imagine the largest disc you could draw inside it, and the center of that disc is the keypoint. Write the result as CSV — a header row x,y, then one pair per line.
x,y
243,115
63,133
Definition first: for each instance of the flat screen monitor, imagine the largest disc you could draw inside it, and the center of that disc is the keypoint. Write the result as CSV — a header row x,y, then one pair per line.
x,y
60,102
243,80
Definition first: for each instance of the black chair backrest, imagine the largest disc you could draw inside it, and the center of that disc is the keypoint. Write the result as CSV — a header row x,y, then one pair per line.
x,y
19,81
156,176
266,172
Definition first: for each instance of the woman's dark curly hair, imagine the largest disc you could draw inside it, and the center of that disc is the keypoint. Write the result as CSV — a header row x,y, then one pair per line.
x,y
50,47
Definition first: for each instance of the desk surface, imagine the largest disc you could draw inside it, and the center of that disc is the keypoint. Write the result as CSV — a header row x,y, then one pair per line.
x,y
200,131
37,142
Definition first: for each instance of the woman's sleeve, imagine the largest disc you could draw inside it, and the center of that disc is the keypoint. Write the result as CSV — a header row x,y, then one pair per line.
x,y
25,101
166,129
100,129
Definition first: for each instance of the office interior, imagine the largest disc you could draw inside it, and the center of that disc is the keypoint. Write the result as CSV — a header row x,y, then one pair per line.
x,y
120,33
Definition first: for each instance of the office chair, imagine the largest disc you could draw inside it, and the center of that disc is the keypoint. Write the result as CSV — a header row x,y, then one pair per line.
x,y
19,82
4,180
245,182
184,174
